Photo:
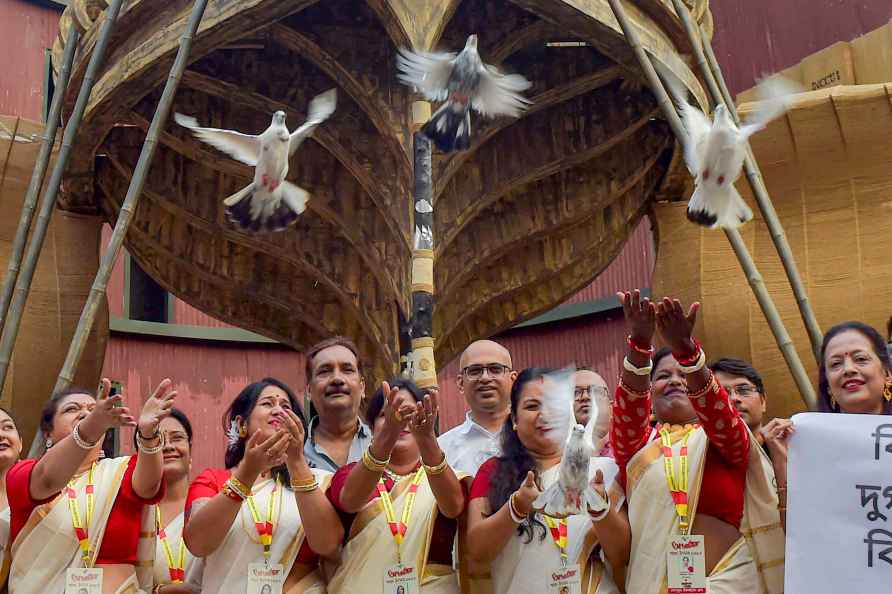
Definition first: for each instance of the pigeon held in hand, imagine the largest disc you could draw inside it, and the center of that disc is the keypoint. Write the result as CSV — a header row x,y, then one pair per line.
x,y
716,150
268,203
572,493
463,81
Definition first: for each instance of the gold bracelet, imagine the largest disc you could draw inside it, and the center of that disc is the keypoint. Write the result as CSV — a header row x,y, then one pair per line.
x,y
239,487
374,460
438,469
371,464
304,486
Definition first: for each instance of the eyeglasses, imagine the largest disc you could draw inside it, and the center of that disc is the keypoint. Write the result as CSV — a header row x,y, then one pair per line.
x,y
495,370
589,391
743,390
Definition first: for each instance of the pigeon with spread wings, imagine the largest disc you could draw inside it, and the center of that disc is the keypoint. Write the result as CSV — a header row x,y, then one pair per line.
x,y
463,81
572,493
716,150
268,203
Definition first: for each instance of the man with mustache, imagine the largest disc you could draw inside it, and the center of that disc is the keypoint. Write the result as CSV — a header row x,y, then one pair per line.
x,y
336,435
745,388
485,380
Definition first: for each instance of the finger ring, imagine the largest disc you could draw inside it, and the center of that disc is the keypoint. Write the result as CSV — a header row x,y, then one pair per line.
x,y
398,416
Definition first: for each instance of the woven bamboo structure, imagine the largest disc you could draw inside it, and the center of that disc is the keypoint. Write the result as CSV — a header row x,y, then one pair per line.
x,y
62,279
828,166
534,211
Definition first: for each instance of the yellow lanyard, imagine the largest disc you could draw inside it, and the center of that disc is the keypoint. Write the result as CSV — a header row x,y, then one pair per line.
x,y
81,530
398,530
176,569
558,530
265,529
678,483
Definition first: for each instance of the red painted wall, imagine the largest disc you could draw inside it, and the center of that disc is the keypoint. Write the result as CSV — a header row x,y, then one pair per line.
x,y
26,30
756,37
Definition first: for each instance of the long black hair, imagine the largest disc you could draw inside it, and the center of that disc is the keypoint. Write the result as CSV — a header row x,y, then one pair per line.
x,y
242,406
515,461
879,348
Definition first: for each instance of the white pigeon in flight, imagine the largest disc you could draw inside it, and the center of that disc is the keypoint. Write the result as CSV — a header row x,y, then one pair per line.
x,y
716,151
463,81
572,493
269,203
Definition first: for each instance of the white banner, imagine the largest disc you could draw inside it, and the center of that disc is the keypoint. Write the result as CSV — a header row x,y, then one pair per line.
x,y
839,504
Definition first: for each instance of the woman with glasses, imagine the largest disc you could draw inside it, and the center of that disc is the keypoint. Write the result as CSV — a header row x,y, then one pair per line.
x,y
527,551
161,538
694,478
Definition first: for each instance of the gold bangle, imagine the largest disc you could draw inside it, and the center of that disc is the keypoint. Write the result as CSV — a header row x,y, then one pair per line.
x,y
304,486
371,464
438,469
239,487
376,461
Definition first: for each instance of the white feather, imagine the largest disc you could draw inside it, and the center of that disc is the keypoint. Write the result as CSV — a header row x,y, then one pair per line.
x,y
428,72
499,94
557,404
774,96
232,435
321,107
242,147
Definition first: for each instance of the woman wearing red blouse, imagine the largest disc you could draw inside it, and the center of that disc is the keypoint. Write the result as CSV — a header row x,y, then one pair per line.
x,y
266,513
75,514
400,504
694,474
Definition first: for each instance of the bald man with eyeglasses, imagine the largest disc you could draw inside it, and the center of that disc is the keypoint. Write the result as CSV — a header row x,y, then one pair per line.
x,y
485,379
592,389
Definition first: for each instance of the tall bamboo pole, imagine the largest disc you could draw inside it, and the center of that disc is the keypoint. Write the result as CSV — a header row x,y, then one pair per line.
x,y
718,90
423,365
23,285
781,336
134,191
37,175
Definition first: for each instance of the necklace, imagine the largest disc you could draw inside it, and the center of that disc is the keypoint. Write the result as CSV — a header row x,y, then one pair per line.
x,y
397,477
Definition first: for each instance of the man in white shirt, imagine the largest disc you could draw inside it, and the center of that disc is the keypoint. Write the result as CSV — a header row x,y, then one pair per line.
x,y
591,389
485,379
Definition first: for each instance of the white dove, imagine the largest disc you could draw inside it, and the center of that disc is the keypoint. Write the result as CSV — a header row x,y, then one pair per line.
x,y
269,203
715,152
572,493
463,81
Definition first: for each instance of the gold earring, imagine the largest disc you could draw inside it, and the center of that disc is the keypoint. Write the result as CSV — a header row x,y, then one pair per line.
x,y
887,392
833,401
514,425
243,430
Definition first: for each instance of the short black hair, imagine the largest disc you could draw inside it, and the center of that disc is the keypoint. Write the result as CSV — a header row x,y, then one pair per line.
x,y
659,356
740,368
376,402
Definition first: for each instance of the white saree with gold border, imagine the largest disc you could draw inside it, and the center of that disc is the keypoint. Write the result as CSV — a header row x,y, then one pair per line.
x,y
753,565
46,547
370,547
153,564
525,567
226,569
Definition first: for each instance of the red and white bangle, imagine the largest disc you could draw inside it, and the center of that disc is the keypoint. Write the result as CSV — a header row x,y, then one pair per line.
x,y
649,351
516,516
641,371
698,364
689,359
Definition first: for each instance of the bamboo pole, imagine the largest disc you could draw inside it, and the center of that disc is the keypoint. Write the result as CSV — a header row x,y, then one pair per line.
x,y
37,175
781,336
422,364
134,191
718,90
26,275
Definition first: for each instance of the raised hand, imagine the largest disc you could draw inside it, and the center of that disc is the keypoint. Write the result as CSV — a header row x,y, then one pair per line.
x,y
526,494
261,455
425,416
156,408
640,316
397,414
776,434
675,326
109,412
295,429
